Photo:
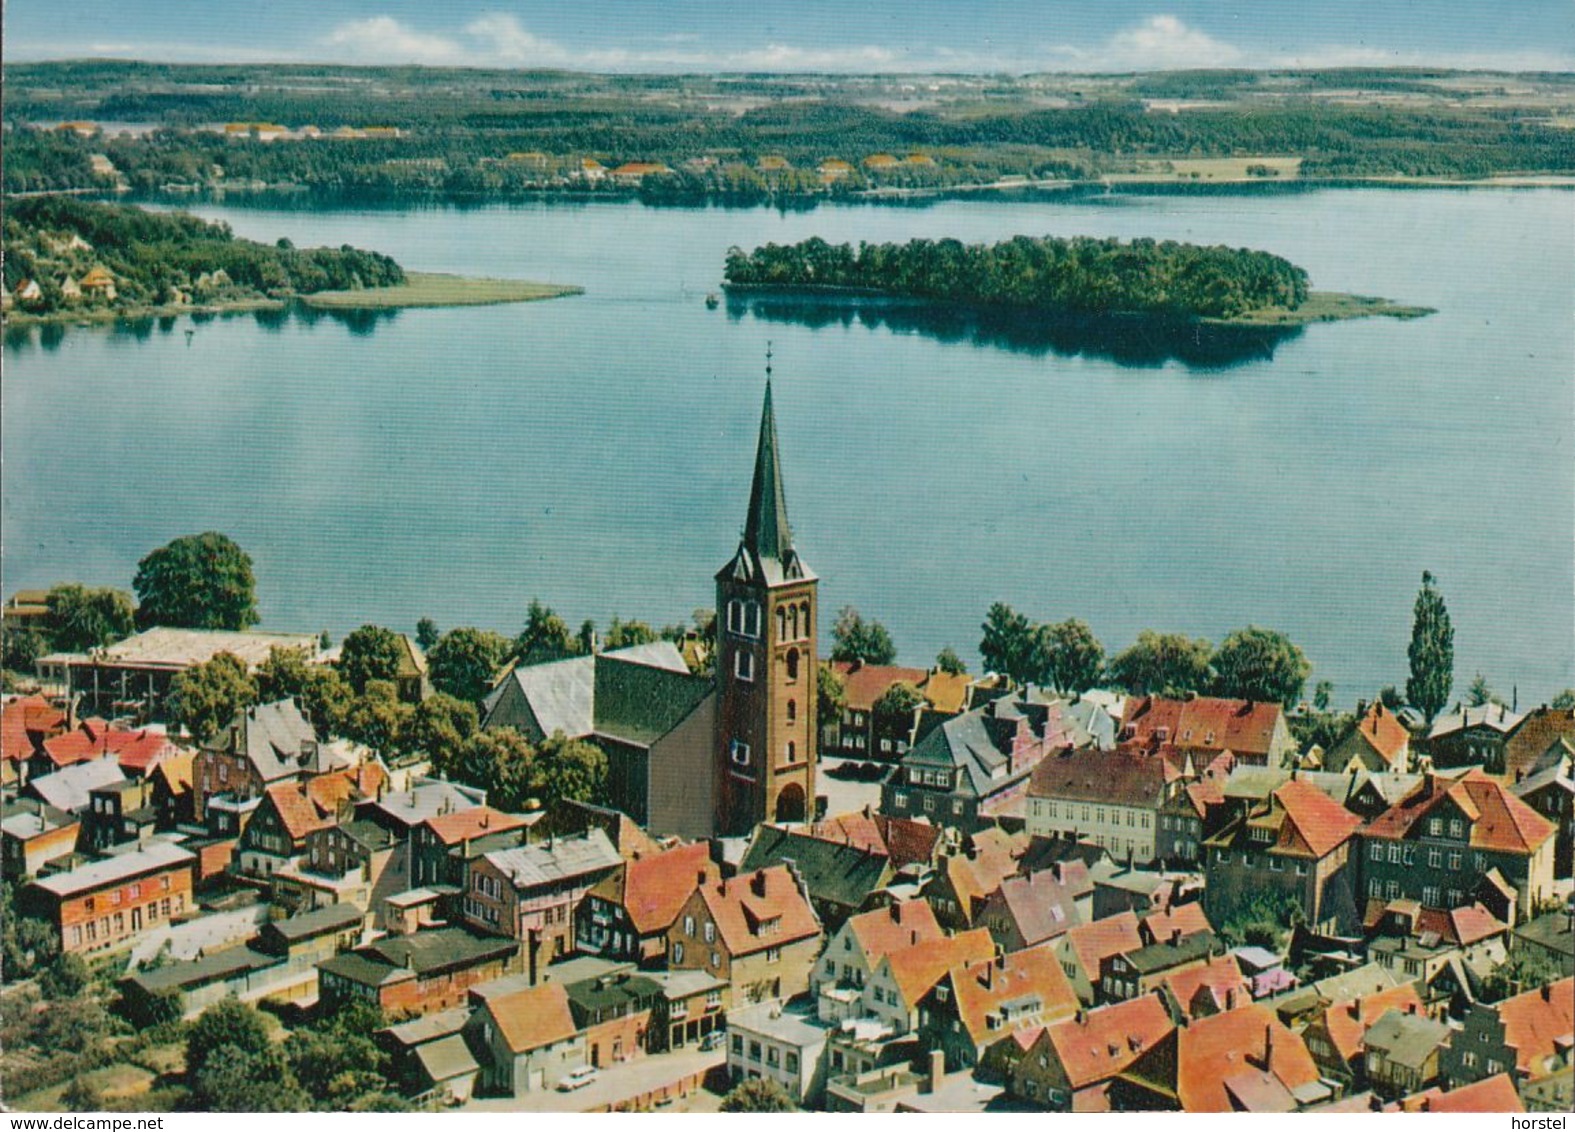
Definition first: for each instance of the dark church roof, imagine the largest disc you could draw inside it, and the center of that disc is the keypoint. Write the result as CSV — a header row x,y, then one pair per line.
x,y
766,554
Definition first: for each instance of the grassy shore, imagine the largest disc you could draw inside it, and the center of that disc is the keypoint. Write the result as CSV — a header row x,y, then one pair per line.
x,y
422,289
1325,306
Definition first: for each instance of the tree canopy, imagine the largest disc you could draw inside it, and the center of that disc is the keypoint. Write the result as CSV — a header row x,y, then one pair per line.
x,y
197,582
370,653
80,618
324,694
758,1094
1166,664
1432,651
206,696
1070,657
855,638
1008,646
545,637
949,662
463,662
831,697
1260,664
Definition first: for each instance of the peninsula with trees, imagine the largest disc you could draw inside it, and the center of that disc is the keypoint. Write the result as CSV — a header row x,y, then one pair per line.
x,y
73,259
1076,276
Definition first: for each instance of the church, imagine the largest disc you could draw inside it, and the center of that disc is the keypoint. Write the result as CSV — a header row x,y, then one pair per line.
x,y
688,755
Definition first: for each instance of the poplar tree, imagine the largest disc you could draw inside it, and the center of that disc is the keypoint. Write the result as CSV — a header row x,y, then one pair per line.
x,y
1432,651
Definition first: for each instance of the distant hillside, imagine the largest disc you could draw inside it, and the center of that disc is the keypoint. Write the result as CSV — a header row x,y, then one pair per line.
x,y
64,253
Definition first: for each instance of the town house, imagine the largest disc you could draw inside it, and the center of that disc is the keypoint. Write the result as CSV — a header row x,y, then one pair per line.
x,y
535,890
856,948
628,913
900,980
263,744
1379,742
975,1006
756,930
1072,1062
107,904
1112,798
1256,733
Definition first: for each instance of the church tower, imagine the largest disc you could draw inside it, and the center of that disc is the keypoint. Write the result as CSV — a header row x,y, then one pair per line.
x,y
766,661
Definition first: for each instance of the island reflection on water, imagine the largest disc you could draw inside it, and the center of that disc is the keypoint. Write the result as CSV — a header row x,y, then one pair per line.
x,y
1133,340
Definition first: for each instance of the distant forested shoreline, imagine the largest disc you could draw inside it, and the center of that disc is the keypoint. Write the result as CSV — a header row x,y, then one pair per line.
x,y
1080,274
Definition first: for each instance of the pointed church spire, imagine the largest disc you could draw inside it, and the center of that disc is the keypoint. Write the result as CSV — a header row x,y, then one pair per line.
x,y
766,531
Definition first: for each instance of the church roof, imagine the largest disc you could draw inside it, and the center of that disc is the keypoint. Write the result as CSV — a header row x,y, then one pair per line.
x,y
766,554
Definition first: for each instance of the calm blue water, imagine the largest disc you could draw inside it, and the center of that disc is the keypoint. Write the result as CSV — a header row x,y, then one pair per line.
x,y
596,451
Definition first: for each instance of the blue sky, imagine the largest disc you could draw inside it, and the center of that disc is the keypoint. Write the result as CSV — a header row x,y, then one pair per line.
x,y
835,35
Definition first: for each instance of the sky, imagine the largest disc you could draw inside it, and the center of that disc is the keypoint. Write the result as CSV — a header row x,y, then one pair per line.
x,y
858,36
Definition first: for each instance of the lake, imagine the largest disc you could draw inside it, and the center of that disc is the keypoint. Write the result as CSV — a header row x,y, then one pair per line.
x,y
596,451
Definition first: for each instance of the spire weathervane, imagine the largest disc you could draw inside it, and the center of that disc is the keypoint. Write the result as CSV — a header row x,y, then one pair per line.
x,y
768,359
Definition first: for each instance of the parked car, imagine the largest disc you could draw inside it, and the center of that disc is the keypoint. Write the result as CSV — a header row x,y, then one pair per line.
x,y
713,1040
578,1078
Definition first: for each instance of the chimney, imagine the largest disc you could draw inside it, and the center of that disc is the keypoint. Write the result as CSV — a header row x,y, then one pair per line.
x,y
1356,1008
896,912
1175,936
532,946
1230,999
757,883
913,937
937,1070
1268,1047
700,877
1547,991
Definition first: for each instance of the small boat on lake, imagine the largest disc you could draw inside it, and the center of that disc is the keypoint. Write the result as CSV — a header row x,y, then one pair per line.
x,y
712,301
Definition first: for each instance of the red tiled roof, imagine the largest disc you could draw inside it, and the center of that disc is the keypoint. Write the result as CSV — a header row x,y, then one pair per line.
x,y
304,807
1220,977
477,821
1347,1022
981,988
1206,723
1098,1045
24,722
1043,904
867,683
916,969
996,857
1533,735
1094,943
1535,1020
1499,821
903,840
909,923
530,1019
1188,919
1224,1047
654,889
1491,1094
296,811
741,905
1323,824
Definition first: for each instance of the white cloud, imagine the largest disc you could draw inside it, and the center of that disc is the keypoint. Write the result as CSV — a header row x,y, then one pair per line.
x,y
499,38
1159,43
383,39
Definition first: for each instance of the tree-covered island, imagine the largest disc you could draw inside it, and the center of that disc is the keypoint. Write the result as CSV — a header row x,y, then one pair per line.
x,y
1081,275
71,258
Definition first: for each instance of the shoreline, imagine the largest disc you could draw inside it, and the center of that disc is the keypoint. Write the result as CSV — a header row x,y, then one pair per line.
x,y
421,290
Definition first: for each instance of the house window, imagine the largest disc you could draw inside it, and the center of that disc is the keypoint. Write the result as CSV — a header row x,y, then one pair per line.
x,y
1435,827
1392,889
1456,827
738,1044
744,665
792,752
1454,860
1435,858
899,800
792,1062
710,932
678,953
1394,854
1430,895
773,1058
773,954
1376,852
740,753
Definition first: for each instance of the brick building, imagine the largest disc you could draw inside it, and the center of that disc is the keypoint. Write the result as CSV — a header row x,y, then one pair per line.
x,y
107,904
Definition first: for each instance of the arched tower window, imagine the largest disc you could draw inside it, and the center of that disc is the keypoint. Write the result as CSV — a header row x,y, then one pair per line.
x,y
805,624
782,624
792,664
792,752
792,711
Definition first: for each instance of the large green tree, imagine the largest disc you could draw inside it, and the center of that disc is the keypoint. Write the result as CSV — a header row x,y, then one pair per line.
x,y
855,638
1432,651
205,697
324,694
197,582
1260,664
625,634
379,719
1166,664
1071,656
228,1022
831,697
949,662
370,653
464,661
545,637
758,1094
501,762
569,770
1008,646
438,725
80,618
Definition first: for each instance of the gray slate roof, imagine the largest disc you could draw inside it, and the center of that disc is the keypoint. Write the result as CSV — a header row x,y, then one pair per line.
x,y
562,693
428,798
550,863
193,973
151,857
276,739
446,1059
70,789
1406,1038
330,918
26,818
971,743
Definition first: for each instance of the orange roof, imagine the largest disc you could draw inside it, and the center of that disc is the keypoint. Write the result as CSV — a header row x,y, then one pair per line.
x,y
23,719
909,923
1491,1094
451,829
1347,1022
1322,823
1094,943
177,770
305,807
947,692
638,169
996,854
916,969
654,889
743,907
880,160
1096,1046
1220,978
1204,723
530,1019
1534,1021
1224,1054
97,277
1499,820
867,683
1188,919
982,988
1385,734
